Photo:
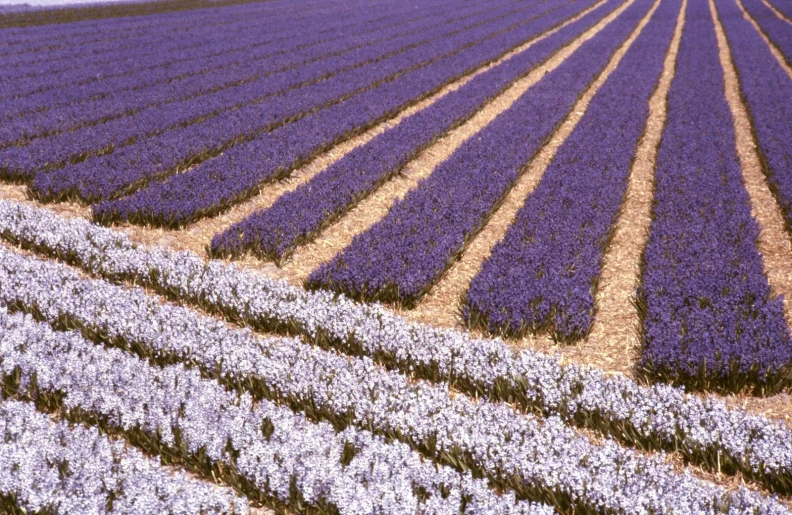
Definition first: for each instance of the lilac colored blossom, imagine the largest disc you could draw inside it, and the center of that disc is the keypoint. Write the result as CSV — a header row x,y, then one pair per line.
x,y
656,417
556,465
225,117
73,469
278,452
400,257
231,71
766,89
239,173
709,317
298,216
542,275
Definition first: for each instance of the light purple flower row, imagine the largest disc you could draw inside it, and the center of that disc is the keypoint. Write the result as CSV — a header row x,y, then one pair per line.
x,y
218,73
542,275
298,216
541,460
240,172
278,455
401,257
656,417
47,465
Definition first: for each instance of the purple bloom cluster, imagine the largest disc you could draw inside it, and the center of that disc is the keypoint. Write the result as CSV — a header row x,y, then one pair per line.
x,y
538,459
240,171
709,317
543,274
766,89
298,216
777,30
227,70
182,70
655,417
214,121
49,467
399,258
281,457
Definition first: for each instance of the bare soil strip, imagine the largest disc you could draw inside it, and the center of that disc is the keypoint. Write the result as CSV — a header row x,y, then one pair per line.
x,y
203,230
775,11
441,302
773,49
376,206
774,243
613,341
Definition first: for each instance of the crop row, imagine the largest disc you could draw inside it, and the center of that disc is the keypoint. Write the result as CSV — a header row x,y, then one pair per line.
x,y
297,217
237,174
262,449
539,459
400,257
656,417
240,110
777,30
218,91
27,42
766,89
172,37
50,467
246,47
543,274
225,73
88,56
709,317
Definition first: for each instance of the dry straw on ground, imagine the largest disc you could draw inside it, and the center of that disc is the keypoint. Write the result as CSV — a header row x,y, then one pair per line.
x,y
774,243
376,206
443,297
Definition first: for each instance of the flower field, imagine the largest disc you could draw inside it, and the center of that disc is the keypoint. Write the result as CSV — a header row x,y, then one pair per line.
x,y
379,256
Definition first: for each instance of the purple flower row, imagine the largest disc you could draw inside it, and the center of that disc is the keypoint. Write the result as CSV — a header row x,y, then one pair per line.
x,y
53,467
709,317
542,275
656,417
766,90
538,459
297,217
239,173
777,30
227,71
267,451
250,45
783,6
242,110
37,38
89,58
78,81
400,257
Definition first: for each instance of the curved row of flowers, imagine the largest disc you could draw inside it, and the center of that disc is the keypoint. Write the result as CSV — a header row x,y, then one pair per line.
x,y
264,450
656,417
538,459
51,467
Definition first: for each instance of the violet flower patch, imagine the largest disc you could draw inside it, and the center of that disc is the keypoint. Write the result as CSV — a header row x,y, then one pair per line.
x,y
709,317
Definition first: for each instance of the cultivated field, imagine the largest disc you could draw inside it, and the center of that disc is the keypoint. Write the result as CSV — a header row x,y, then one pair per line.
x,y
380,256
